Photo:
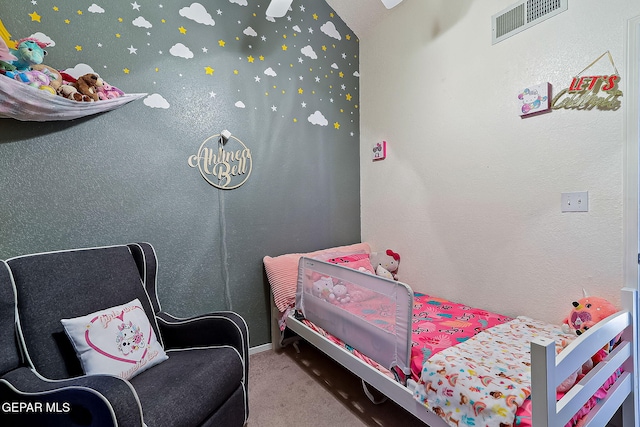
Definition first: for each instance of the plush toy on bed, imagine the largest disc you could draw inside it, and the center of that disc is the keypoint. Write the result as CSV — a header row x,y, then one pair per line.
x,y
322,288
586,312
386,263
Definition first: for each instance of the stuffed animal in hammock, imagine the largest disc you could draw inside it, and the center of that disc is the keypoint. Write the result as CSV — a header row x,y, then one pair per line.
x,y
28,52
88,85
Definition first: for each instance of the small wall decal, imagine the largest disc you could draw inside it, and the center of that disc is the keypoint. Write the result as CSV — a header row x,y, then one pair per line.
x,y
380,150
534,99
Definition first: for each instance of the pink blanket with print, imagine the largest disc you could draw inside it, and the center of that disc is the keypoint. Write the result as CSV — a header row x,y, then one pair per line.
x,y
484,380
439,324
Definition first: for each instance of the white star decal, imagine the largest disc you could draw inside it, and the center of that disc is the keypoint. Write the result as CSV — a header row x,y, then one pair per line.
x,y
132,50
257,78
205,50
274,108
135,5
212,94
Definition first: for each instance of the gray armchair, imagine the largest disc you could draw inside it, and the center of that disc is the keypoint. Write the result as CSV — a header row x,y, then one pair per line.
x,y
203,382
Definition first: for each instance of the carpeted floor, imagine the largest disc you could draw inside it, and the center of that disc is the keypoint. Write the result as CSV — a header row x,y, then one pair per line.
x,y
309,389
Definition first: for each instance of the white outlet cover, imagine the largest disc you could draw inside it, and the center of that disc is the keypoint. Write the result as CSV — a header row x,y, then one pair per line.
x,y
577,201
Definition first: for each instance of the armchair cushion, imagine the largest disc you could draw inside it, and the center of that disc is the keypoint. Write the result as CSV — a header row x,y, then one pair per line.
x,y
97,400
196,382
118,340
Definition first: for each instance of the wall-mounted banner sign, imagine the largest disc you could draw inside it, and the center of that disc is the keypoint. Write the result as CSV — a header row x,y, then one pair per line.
x,y
588,92
225,163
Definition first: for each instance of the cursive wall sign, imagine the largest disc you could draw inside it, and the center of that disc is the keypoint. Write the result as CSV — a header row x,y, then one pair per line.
x,y
588,92
224,163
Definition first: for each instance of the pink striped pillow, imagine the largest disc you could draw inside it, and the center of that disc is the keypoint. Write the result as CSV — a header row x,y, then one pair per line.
x,y
282,271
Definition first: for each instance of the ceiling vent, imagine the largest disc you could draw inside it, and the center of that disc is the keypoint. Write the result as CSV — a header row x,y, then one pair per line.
x,y
523,15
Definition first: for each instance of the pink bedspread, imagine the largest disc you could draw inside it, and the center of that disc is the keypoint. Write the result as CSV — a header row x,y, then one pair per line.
x,y
439,324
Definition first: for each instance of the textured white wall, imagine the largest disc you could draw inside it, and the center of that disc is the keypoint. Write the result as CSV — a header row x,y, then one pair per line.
x,y
470,192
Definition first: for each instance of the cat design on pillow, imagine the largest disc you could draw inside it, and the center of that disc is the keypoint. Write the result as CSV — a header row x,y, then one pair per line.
x,y
129,338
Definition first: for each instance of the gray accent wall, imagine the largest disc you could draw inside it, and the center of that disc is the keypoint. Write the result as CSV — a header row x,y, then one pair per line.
x,y
287,88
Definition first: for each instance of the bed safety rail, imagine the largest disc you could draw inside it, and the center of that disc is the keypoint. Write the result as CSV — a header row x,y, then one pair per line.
x,y
548,370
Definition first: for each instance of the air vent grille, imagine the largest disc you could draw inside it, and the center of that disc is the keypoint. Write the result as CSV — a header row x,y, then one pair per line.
x,y
510,20
523,15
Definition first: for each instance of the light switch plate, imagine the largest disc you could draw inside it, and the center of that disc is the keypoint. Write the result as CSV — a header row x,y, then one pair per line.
x,y
380,150
578,201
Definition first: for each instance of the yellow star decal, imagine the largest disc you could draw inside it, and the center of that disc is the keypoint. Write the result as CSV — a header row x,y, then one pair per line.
x,y
236,72
182,30
209,70
315,16
157,69
78,48
118,35
250,59
295,120
55,8
120,19
341,74
164,21
348,97
331,14
35,17
284,36
336,125
284,47
66,21
221,43
348,37
261,57
126,70
79,12
300,91
324,48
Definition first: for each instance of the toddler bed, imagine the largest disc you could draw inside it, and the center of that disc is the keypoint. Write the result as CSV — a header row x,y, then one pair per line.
x,y
378,319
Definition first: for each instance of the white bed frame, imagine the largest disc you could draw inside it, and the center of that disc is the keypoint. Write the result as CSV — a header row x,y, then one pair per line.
x,y
548,371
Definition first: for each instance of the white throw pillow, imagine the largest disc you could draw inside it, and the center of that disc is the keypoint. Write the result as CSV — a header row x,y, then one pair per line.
x,y
118,341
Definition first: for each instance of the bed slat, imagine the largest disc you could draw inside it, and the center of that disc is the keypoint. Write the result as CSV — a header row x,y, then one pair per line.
x,y
571,403
547,371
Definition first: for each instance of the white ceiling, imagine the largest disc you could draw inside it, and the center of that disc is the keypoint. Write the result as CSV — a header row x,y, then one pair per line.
x,y
360,15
